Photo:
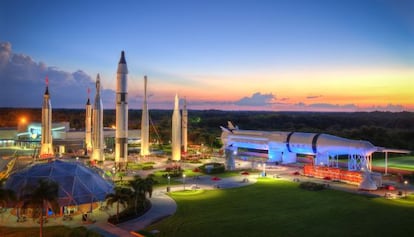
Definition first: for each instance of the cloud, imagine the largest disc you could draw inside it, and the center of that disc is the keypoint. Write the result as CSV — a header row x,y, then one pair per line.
x,y
313,97
23,82
257,99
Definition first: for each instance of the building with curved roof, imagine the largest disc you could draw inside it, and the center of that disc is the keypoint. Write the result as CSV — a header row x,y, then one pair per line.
x,y
78,184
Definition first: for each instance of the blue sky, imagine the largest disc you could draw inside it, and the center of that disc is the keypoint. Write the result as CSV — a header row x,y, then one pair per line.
x,y
217,54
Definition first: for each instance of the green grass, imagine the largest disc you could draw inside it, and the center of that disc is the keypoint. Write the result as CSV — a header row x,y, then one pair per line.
x,y
279,208
140,166
402,162
52,231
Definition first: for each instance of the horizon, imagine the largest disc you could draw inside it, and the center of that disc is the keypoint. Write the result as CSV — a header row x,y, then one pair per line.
x,y
319,56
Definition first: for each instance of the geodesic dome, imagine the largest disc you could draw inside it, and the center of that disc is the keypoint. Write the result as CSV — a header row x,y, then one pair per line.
x,y
78,184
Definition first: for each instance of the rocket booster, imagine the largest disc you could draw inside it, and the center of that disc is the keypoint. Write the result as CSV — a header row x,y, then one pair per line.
x,y
97,125
121,134
46,149
176,131
145,123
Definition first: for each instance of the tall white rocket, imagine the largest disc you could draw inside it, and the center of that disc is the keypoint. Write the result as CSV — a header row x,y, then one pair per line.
x,y
121,133
145,123
88,125
184,126
176,131
98,144
46,148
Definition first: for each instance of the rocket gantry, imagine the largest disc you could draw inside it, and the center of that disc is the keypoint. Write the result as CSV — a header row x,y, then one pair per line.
x,y
184,127
121,133
88,125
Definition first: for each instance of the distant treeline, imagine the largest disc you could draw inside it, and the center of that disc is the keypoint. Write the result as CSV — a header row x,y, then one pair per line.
x,y
394,130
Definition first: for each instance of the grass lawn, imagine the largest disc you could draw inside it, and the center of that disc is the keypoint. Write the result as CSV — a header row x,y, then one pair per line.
x,y
401,162
52,231
279,208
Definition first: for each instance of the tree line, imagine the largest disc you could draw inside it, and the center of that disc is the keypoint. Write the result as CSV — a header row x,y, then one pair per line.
x,y
387,129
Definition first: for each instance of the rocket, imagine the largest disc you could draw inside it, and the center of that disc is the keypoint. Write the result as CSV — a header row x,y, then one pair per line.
x,y
88,125
176,131
46,149
121,133
98,144
184,126
145,123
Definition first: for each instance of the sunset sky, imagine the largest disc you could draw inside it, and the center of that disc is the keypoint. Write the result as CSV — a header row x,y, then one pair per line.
x,y
317,55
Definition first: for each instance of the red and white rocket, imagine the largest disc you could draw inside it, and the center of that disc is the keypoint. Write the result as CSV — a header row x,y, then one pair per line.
x,y
46,149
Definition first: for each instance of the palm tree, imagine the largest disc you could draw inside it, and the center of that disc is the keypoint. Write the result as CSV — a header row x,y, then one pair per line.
x,y
45,193
121,196
136,185
6,196
149,184
141,187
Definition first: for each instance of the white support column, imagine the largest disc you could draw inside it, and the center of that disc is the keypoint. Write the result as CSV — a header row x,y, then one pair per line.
x,y
386,162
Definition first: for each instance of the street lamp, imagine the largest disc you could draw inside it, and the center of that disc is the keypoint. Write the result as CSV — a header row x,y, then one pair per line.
x,y
184,181
405,184
168,187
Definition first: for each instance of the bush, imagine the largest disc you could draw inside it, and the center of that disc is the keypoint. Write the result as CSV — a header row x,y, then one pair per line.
x,y
311,186
212,168
148,167
129,213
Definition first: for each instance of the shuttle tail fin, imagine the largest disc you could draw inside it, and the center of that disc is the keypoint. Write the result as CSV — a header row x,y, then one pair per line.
x,y
231,126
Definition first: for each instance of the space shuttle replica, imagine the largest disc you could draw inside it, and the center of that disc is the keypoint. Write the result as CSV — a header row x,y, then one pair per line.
x,y
121,132
283,147
46,144
176,131
97,138
145,124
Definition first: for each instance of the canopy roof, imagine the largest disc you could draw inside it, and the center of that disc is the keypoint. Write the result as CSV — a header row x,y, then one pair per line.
x,y
78,184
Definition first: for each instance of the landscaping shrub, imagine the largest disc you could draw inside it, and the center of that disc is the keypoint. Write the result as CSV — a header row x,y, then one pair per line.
x,y
311,186
129,213
212,168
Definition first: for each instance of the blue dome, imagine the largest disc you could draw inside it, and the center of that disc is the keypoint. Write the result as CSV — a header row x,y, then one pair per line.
x,y
78,184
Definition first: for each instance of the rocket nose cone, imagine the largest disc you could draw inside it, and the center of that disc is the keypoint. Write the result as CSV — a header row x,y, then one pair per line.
x,y
122,60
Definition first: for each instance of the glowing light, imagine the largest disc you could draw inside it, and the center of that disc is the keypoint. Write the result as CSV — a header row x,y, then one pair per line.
x,y
23,120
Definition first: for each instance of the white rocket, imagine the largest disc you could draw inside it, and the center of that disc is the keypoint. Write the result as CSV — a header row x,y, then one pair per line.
x,y
88,125
46,149
145,123
121,133
98,144
184,126
176,131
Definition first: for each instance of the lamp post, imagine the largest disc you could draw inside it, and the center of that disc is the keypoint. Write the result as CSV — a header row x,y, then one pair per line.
x,y
184,181
405,185
113,173
168,187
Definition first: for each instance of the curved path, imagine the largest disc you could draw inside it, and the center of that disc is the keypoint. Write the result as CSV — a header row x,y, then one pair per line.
x,y
164,206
